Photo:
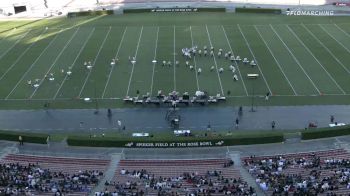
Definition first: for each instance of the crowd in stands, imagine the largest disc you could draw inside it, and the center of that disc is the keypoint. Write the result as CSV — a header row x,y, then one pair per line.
x,y
31,179
326,173
211,182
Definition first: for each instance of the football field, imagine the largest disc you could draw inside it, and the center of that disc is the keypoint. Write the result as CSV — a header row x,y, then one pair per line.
x,y
304,60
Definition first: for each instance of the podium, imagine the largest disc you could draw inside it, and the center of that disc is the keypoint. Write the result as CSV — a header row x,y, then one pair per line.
x,y
252,76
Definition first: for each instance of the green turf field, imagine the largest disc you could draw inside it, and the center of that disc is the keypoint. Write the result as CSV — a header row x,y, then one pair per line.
x,y
300,60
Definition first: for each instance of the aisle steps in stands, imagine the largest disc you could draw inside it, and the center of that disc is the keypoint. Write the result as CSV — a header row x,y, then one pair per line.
x,y
235,156
109,174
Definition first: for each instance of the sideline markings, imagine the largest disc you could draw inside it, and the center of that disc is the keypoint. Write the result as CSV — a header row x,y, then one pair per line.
x,y
239,72
278,64
21,55
195,62
251,52
329,51
52,65
10,48
94,63
216,65
154,64
133,65
295,59
72,65
329,75
116,56
32,65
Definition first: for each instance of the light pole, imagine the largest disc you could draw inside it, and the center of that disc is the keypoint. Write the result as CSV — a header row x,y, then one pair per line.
x,y
96,101
252,78
252,107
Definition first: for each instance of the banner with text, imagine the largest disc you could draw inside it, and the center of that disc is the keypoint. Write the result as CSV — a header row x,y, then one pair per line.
x,y
167,10
173,144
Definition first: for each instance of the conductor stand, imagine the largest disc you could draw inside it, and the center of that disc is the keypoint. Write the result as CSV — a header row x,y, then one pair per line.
x,y
252,77
47,106
173,117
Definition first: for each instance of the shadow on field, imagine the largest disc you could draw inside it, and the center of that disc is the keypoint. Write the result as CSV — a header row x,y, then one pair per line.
x,y
23,25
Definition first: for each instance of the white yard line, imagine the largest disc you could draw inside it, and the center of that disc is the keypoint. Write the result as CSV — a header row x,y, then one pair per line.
x,y
342,30
239,72
72,65
32,65
52,65
325,30
133,65
329,51
257,62
154,64
216,65
329,75
295,59
194,60
10,48
7,35
116,56
22,54
278,64
174,62
94,63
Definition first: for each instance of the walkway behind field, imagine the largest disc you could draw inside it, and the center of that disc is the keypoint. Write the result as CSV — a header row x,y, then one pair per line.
x,y
153,120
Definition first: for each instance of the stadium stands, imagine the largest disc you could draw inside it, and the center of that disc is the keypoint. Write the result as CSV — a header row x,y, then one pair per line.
x,y
179,177
38,175
47,8
312,173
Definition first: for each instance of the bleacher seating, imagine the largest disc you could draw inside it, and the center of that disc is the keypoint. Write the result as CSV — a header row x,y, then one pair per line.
x,y
315,173
178,177
70,176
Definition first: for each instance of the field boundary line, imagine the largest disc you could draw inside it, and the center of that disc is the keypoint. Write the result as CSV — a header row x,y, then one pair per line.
x,y
174,59
239,72
115,57
72,65
329,51
32,65
21,55
257,62
119,98
154,64
133,65
94,63
329,75
216,65
10,48
325,30
278,64
56,59
295,59
194,60
342,30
